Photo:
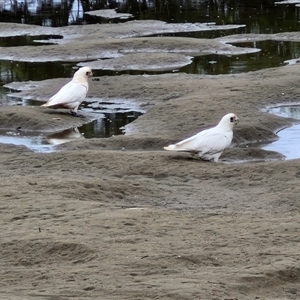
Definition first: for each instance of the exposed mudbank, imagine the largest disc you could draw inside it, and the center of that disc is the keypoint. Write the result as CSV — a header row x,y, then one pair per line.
x,y
142,62
122,30
109,14
39,119
206,230
172,113
77,51
90,42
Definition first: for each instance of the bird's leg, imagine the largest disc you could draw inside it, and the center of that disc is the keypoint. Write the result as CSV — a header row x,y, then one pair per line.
x,y
75,114
194,154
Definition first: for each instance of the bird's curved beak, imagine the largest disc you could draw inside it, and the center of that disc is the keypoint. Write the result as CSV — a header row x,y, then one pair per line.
x,y
90,74
236,120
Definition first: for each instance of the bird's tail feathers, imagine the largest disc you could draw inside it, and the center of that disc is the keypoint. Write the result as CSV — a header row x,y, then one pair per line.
x,y
171,148
45,105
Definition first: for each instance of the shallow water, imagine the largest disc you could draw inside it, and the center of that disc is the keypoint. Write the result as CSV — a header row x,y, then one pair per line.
x,y
35,143
273,54
111,119
109,124
26,40
24,71
288,142
40,143
285,111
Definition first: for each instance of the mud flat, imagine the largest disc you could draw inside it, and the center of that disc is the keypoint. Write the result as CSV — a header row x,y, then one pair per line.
x,y
119,218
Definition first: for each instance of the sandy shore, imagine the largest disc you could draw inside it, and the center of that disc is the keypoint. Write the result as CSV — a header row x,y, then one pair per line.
x,y
120,218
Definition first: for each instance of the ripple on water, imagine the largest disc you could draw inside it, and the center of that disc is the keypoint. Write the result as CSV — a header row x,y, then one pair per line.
x,y
288,142
35,143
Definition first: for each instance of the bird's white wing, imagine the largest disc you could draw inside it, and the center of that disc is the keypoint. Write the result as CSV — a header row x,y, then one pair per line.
x,y
208,141
69,93
211,144
197,136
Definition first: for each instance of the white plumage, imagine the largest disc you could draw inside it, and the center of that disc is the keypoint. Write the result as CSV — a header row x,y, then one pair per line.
x,y
209,143
73,93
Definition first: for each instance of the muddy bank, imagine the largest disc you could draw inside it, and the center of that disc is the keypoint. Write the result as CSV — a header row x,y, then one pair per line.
x,y
140,222
34,119
119,218
121,30
140,61
178,105
109,14
90,42
85,50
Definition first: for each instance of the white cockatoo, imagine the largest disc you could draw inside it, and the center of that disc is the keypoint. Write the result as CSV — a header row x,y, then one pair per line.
x,y
73,93
209,143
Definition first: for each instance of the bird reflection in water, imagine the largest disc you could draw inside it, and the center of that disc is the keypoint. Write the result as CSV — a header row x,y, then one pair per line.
x,y
64,136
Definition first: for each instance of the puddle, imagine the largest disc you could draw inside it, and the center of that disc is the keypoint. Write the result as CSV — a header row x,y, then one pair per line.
x,y
26,40
112,124
109,125
290,111
272,54
40,143
35,143
288,142
111,119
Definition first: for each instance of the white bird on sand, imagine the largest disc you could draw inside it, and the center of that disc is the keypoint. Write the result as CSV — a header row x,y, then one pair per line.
x,y
73,93
209,143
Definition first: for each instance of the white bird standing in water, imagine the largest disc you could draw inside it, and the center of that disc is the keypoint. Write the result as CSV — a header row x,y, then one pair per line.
x,y
73,93
209,143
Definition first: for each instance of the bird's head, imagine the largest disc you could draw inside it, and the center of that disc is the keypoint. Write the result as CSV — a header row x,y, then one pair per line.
x,y
84,72
229,120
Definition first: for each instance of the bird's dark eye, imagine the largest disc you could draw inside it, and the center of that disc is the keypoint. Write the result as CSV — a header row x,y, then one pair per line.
x,y
232,119
87,73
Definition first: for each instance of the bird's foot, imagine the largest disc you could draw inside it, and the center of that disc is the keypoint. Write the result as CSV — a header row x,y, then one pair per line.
x,y
75,114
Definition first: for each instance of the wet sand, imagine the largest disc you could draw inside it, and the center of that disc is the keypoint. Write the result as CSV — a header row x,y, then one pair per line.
x,y
119,218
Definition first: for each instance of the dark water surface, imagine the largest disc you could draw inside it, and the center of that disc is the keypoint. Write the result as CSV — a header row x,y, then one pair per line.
x,y
259,16
262,16
25,40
